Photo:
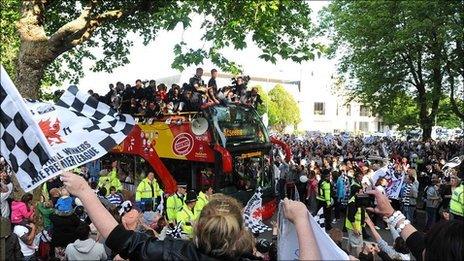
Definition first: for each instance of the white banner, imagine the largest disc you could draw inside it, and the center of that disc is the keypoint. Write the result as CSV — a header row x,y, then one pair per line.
x,y
79,129
394,182
287,244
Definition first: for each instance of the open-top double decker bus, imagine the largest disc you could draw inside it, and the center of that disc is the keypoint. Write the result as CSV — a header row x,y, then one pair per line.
x,y
225,146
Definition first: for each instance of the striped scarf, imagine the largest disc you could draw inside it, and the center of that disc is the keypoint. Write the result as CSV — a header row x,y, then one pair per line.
x,y
406,194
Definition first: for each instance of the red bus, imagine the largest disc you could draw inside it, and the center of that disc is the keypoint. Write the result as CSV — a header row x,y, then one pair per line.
x,y
225,146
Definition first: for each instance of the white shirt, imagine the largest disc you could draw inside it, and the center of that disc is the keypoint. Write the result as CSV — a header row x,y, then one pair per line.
x,y
4,203
26,249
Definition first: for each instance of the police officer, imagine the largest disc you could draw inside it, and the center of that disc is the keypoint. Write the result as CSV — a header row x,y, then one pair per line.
x,y
108,180
187,216
457,198
324,199
175,202
354,220
148,190
203,198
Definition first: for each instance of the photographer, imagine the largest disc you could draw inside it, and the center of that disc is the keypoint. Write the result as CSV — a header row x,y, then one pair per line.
x,y
240,86
252,97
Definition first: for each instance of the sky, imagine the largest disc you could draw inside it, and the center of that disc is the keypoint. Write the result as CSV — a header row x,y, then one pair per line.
x,y
154,60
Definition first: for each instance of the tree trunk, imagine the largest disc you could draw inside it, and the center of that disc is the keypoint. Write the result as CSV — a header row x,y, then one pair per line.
x,y
426,129
33,59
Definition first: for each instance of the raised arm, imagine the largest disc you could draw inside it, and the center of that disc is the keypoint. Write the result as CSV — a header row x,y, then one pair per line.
x,y
371,226
101,218
297,213
385,209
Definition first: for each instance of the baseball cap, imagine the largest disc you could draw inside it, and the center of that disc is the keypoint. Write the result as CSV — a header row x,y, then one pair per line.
x,y
182,184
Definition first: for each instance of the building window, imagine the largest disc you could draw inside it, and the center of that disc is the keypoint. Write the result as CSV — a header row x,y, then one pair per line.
x,y
364,111
319,108
348,110
364,126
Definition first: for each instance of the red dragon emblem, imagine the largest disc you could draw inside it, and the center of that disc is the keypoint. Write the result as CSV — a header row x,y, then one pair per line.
x,y
51,131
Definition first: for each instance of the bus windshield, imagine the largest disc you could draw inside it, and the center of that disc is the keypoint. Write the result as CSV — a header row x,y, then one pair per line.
x,y
238,125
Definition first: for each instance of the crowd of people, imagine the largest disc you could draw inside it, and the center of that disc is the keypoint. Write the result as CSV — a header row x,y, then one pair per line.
x,y
150,100
93,216
333,173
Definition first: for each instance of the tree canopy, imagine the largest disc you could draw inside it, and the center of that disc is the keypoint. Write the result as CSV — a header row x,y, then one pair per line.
x,y
282,110
400,56
53,38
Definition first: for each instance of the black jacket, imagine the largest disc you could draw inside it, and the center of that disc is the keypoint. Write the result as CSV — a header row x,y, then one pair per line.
x,y
140,246
64,229
12,248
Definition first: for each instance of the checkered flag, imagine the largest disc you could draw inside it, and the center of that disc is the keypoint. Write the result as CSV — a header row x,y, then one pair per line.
x,y
254,225
319,217
22,143
176,231
103,118
252,214
79,129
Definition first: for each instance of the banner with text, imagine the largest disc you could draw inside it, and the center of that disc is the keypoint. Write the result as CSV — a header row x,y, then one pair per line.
x,y
394,179
79,129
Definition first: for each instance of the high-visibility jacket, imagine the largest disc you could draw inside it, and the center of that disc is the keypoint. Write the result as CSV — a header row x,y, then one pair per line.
x,y
174,204
357,217
186,217
202,200
110,180
324,192
148,190
457,201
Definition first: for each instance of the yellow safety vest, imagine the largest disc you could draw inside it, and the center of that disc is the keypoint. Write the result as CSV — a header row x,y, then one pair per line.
x,y
186,217
324,192
110,180
173,206
148,189
457,201
357,218
202,200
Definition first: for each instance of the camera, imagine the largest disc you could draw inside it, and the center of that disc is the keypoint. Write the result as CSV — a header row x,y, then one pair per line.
x,y
263,245
364,200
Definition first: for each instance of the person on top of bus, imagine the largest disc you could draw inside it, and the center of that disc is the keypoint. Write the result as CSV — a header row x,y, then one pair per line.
x,y
176,99
212,81
196,79
203,198
176,201
148,190
253,98
187,216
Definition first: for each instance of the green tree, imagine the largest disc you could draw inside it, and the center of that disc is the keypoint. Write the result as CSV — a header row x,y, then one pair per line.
x,y
263,108
54,37
399,49
283,109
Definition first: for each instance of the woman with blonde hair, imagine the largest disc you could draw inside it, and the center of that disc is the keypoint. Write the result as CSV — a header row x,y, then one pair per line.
x,y
219,233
